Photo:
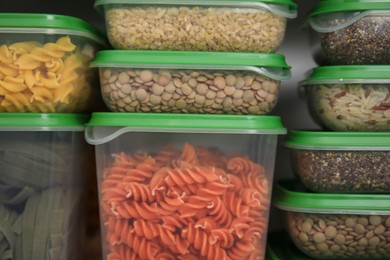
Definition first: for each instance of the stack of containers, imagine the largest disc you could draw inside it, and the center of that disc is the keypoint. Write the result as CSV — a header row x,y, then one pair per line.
x,y
46,90
344,211
185,157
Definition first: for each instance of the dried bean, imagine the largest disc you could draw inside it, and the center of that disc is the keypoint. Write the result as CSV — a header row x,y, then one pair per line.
x,y
375,220
123,78
163,80
231,80
146,75
306,227
157,89
350,222
330,231
219,82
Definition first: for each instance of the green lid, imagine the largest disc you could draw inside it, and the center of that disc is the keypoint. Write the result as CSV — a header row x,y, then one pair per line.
x,y
322,140
42,121
332,6
50,21
288,197
349,74
254,124
120,123
272,65
286,8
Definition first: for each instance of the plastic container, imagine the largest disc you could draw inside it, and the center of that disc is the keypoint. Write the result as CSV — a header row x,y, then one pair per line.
x,y
44,63
349,98
43,165
346,32
187,25
93,240
177,186
335,226
190,82
339,162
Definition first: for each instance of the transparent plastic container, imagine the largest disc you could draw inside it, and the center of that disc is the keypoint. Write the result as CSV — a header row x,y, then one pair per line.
x,y
44,160
44,63
190,82
187,25
350,32
340,162
349,98
335,226
179,186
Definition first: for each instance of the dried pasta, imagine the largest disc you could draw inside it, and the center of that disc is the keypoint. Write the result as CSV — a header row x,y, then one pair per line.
x,y
351,107
194,203
50,77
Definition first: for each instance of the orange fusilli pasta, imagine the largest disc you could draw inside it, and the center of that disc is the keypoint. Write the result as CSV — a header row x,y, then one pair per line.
x,y
192,204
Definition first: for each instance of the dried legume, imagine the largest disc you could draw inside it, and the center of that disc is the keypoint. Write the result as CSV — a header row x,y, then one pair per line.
x,y
336,240
188,91
194,28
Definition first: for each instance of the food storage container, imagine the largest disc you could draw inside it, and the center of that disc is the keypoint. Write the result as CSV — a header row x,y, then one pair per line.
x,y
184,186
44,63
187,25
92,245
340,162
335,226
346,32
43,163
190,82
349,98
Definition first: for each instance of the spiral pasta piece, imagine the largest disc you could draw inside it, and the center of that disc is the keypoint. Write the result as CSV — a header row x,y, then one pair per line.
x,y
239,165
200,241
183,205
220,212
134,209
50,77
188,175
123,241
151,230
241,250
252,197
223,236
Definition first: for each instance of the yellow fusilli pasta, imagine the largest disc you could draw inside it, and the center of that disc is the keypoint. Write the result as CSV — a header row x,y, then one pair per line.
x,y
50,77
